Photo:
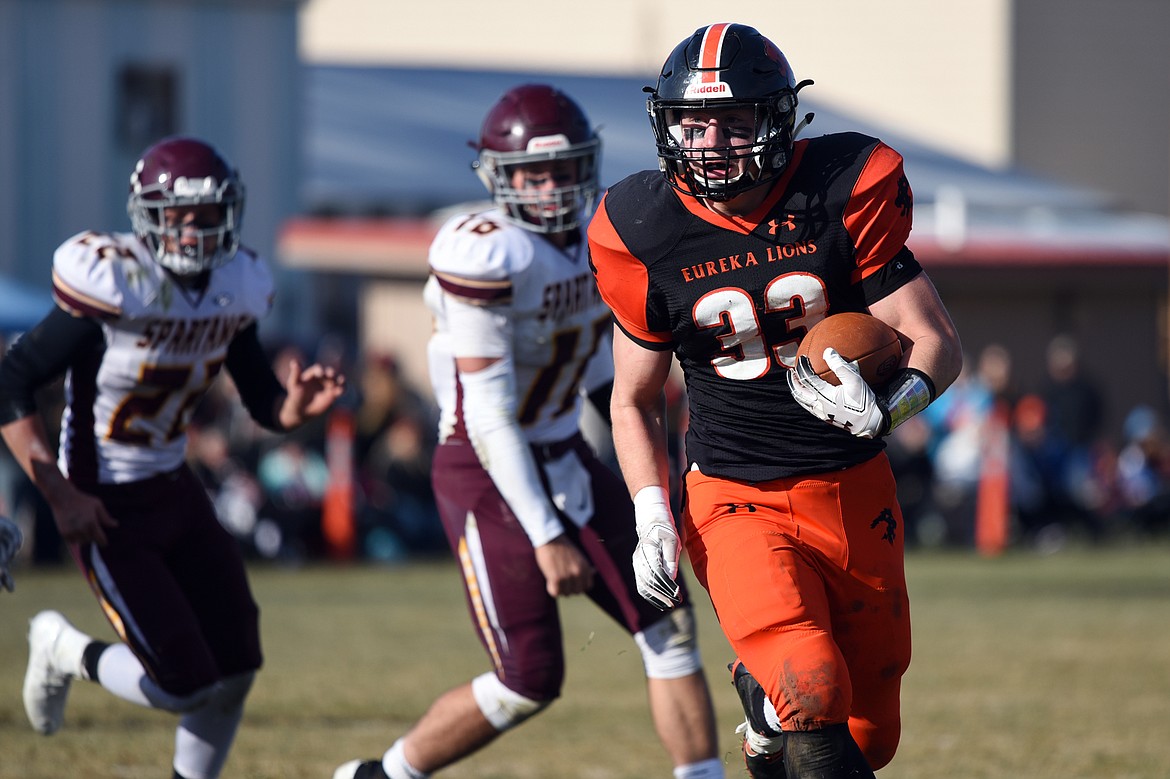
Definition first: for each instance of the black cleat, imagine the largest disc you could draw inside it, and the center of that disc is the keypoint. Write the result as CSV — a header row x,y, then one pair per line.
x,y
357,769
752,697
764,766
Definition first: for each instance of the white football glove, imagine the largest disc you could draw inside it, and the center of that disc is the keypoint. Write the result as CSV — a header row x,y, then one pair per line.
x,y
657,553
852,406
11,539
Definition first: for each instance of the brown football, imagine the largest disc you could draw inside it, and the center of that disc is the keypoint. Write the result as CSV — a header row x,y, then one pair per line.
x,y
860,338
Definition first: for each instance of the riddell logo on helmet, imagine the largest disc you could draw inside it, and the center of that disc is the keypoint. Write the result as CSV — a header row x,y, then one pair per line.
x,y
188,187
549,143
718,89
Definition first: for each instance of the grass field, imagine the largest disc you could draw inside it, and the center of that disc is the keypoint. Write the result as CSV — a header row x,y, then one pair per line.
x,y
1024,667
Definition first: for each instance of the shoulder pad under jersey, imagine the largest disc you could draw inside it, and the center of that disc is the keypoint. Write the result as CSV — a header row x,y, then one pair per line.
x,y
92,271
249,276
474,257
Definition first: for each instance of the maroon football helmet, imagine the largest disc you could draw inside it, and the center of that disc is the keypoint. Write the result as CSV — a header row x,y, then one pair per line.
x,y
538,123
726,66
185,172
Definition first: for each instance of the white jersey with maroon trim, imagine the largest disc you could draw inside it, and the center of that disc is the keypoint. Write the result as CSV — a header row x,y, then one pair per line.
x,y
546,312
127,409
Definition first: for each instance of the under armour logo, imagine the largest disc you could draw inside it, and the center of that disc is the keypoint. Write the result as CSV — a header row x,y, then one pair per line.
x,y
832,420
790,223
734,507
891,525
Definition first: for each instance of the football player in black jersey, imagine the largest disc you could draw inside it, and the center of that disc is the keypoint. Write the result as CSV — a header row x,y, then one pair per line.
x,y
744,240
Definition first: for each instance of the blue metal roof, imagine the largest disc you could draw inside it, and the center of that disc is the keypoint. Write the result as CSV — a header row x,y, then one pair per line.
x,y
394,141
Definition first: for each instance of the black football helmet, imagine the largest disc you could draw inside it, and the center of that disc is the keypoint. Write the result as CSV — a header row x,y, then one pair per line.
x,y
725,65
184,172
538,123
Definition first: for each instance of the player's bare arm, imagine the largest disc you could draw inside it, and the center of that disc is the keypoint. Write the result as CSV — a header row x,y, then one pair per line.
x,y
638,409
933,347
80,518
33,360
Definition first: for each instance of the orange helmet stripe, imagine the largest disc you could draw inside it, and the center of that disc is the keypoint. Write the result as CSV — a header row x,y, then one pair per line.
x,y
710,50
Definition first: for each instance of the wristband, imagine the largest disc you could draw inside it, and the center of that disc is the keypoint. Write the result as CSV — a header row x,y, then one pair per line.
x,y
909,392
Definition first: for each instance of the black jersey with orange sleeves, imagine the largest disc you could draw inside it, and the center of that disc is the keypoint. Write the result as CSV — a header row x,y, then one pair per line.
x,y
733,296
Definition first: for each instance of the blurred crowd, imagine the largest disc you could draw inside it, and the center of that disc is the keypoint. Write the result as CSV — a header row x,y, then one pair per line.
x,y
274,492
1036,460
1061,477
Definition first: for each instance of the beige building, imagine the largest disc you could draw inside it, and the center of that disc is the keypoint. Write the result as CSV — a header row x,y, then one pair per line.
x,y
1072,89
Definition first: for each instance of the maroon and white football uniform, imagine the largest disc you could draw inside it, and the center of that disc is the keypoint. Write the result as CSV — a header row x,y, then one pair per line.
x,y
500,291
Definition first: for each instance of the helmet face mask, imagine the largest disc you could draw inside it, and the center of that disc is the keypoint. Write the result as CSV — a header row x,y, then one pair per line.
x,y
186,205
722,71
534,136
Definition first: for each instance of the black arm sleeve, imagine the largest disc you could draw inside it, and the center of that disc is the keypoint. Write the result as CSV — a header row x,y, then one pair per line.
x,y
251,370
40,356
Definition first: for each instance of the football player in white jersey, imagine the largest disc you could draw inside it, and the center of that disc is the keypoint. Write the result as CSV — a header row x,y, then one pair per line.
x,y
143,323
521,339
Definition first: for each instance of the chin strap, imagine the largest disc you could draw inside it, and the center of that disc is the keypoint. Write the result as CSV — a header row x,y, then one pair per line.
x,y
807,120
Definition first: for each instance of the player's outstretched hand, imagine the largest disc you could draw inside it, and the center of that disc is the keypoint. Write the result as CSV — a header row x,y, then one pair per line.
x,y
657,553
11,539
311,391
852,406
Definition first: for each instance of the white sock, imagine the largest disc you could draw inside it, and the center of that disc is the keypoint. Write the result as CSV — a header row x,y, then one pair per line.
x,y
121,673
704,769
396,766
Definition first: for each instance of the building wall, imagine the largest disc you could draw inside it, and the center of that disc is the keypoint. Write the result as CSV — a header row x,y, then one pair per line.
x,y
938,71
1091,103
1073,89
75,120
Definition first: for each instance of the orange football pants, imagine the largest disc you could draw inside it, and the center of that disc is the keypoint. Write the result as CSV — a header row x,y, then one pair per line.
x,y
807,579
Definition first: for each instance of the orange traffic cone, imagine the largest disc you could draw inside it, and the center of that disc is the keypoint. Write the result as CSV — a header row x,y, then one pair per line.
x,y
992,500
337,516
